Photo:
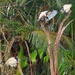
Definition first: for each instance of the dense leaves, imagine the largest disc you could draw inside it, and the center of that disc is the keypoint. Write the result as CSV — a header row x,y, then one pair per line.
x,y
22,21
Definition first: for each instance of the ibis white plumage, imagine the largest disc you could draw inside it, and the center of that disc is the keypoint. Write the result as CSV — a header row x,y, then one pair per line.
x,y
12,62
66,8
42,14
48,15
51,15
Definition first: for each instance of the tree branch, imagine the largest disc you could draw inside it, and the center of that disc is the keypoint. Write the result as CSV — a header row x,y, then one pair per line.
x,y
58,37
49,50
66,26
29,57
20,69
8,48
3,35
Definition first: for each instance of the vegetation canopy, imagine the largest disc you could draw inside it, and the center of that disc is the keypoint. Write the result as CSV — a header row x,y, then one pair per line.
x,y
42,48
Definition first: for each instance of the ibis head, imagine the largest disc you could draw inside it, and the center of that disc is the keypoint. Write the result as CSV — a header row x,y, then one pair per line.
x,y
42,14
66,8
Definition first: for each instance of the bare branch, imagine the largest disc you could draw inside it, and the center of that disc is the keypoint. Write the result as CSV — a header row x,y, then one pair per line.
x,y
66,26
49,50
58,37
65,18
21,17
1,65
22,2
29,58
19,68
3,35
8,48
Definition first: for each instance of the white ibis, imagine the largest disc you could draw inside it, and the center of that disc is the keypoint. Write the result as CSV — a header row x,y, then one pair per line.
x,y
48,15
42,14
66,8
12,62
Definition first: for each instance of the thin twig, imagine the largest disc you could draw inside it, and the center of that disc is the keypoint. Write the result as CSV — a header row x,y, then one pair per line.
x,y
66,26
7,6
22,2
3,35
8,48
29,58
19,68
21,16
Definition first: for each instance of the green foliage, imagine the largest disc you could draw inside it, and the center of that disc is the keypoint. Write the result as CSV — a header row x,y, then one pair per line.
x,y
46,58
66,61
40,52
33,56
22,20
38,38
65,44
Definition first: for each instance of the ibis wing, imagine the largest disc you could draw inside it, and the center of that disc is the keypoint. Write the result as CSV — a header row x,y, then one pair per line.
x,y
51,15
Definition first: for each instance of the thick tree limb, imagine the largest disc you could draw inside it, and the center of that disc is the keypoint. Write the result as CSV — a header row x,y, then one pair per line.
x,y
53,54
49,50
58,37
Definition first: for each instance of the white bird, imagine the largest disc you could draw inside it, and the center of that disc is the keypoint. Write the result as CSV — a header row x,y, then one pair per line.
x,y
66,8
12,62
42,14
48,15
